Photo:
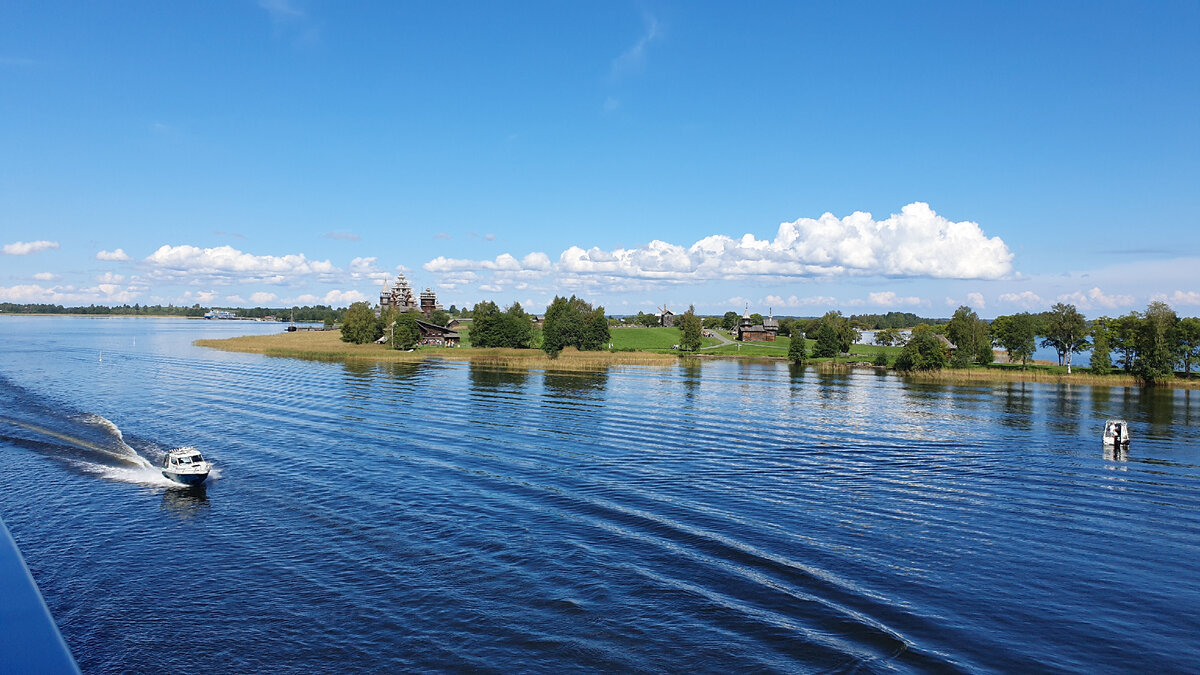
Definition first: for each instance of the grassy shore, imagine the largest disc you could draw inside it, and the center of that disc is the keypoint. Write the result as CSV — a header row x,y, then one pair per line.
x,y
328,346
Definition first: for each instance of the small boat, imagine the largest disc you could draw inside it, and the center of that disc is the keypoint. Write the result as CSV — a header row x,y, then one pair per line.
x,y
186,466
1116,432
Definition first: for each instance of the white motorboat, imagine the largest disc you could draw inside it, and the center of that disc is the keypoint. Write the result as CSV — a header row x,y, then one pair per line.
x,y
186,466
1116,432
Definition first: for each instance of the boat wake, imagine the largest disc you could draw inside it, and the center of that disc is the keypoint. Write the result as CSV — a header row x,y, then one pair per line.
x,y
85,442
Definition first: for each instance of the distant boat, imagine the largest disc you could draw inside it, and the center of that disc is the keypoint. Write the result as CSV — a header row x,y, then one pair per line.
x,y
186,466
1116,432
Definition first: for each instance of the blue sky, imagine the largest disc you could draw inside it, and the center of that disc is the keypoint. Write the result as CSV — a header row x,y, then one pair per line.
x,y
798,157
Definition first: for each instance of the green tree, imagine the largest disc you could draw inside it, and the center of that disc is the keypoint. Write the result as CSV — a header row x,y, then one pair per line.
x,y
711,322
924,351
439,317
1017,334
405,334
756,319
1189,343
1066,330
596,335
1122,335
797,354
511,328
361,325
730,320
1101,350
689,330
887,337
1157,344
881,360
828,344
574,323
969,335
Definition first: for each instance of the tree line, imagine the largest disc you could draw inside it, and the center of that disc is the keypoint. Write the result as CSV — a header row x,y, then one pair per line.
x,y
316,313
1149,345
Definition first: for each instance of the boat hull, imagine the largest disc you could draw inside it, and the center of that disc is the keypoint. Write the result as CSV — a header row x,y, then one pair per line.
x,y
186,478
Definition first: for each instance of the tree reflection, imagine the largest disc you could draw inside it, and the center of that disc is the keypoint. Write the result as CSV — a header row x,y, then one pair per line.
x,y
486,378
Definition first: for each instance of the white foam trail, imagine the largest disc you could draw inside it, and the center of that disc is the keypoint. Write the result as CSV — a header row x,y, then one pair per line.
x,y
131,454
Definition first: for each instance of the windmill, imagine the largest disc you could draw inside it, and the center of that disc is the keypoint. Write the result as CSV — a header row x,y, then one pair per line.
x,y
666,318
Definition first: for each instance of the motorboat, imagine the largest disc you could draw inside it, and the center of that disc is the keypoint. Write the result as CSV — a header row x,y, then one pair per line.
x,y
1116,432
186,466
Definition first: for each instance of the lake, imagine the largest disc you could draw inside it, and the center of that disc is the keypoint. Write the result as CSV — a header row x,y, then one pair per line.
x,y
730,516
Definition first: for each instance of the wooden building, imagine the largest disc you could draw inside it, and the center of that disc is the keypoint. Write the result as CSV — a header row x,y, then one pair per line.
x,y
437,336
748,331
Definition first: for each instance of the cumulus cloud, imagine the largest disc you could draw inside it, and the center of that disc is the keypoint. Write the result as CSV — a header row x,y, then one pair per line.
x,y
917,242
28,247
262,297
110,278
225,263
1026,299
1096,299
1181,298
367,268
118,255
343,298
891,299
976,300
46,276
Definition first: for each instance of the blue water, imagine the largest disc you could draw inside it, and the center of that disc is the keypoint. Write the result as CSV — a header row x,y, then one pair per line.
x,y
723,517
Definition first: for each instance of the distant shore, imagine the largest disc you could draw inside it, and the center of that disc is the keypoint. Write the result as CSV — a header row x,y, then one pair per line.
x,y
328,346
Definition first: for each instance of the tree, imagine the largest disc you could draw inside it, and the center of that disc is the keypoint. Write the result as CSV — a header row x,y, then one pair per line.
x,y
730,320
573,323
1122,335
1189,343
439,317
969,335
360,325
689,330
1017,334
827,341
405,332
756,319
1157,344
796,351
711,322
924,351
1065,329
492,328
887,337
1101,351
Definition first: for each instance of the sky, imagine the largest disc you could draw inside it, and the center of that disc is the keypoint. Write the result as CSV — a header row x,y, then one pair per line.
x,y
788,157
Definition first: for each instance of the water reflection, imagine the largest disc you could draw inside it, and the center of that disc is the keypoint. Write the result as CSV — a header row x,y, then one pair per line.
x,y
691,373
185,502
582,386
1018,406
491,378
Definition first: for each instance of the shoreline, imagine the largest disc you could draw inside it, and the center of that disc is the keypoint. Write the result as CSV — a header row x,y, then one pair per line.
x,y
327,346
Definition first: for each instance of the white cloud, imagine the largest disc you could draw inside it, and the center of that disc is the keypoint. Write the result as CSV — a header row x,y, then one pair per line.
x,y
1026,299
915,243
28,247
46,276
890,299
227,264
206,296
235,299
110,278
633,58
976,300
366,268
262,298
1096,299
343,298
118,255
1182,298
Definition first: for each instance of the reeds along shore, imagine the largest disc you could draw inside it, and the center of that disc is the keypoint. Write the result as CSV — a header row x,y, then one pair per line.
x,y
328,346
